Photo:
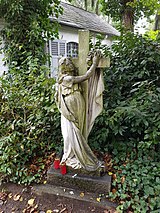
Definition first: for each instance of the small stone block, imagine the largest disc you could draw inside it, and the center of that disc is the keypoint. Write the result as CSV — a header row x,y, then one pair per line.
x,y
81,182
104,62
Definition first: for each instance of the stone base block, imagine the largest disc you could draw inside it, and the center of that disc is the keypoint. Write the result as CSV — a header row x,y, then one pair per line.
x,y
90,198
96,184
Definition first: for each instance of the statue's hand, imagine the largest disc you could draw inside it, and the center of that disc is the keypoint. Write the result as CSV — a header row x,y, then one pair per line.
x,y
97,56
90,57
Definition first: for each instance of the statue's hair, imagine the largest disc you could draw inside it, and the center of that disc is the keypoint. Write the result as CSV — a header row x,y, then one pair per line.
x,y
68,62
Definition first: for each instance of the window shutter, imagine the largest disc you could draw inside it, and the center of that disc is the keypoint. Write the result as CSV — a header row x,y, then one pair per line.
x,y
62,48
54,48
57,48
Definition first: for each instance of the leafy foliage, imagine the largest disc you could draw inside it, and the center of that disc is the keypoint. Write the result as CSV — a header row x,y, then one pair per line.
x,y
129,125
131,98
28,28
30,125
29,120
116,9
89,5
137,181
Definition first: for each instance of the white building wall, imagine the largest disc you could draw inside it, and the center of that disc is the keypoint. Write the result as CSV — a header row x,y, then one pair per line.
x,y
2,67
71,35
68,34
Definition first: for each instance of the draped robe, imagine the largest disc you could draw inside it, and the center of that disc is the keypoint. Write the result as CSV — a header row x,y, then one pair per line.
x,y
71,103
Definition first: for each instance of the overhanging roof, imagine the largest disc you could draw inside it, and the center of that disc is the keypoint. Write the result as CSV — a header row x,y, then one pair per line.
x,y
79,18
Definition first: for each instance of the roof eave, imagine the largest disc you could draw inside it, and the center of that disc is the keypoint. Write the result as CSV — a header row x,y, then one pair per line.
x,y
70,24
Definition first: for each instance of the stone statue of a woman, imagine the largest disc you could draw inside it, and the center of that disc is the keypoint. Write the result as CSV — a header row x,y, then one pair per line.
x,y
71,103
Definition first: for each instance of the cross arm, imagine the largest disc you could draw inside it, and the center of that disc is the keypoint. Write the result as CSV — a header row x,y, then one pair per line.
x,y
103,62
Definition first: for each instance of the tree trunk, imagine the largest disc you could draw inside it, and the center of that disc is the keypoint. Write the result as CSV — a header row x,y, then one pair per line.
x,y
157,23
86,4
97,7
128,16
92,3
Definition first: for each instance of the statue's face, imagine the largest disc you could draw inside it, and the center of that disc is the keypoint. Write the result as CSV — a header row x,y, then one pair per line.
x,y
62,65
62,62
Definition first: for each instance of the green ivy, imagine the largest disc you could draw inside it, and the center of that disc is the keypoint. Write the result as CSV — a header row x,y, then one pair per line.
x,y
29,119
129,126
137,183
30,124
131,96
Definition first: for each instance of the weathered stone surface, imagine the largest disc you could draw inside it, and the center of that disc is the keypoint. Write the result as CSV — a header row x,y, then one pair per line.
x,y
103,62
78,181
72,194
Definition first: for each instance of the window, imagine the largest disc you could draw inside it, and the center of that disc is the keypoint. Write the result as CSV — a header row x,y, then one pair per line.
x,y
58,48
72,49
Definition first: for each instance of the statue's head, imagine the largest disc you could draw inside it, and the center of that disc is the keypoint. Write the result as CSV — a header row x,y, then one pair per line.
x,y
66,66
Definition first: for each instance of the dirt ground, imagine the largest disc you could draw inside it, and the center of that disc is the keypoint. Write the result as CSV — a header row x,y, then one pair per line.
x,y
20,199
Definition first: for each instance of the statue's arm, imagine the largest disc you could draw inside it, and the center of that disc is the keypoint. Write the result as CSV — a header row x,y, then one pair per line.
x,y
87,75
56,92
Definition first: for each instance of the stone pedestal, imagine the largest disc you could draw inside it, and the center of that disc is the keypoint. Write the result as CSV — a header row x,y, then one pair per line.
x,y
73,184
83,182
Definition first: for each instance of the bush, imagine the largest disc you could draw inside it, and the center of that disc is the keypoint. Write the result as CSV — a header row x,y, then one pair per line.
x,y
136,181
29,119
29,124
129,127
131,97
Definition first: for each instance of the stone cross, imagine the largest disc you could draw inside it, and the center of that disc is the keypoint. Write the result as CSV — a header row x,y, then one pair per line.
x,y
81,64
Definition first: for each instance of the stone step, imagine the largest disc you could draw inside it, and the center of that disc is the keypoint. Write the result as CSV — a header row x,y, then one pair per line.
x,y
86,183
93,199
